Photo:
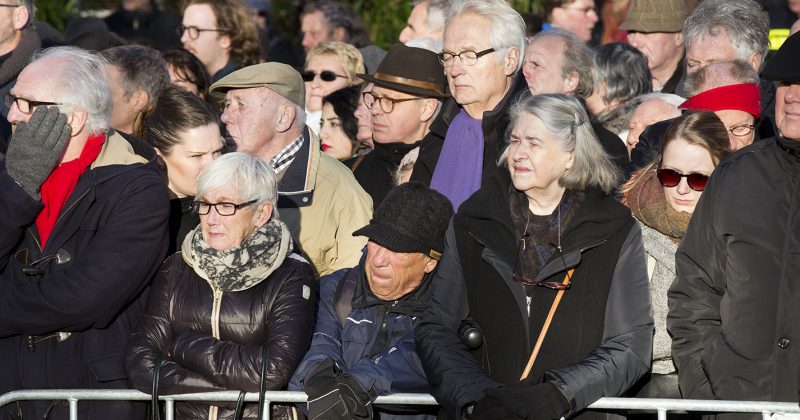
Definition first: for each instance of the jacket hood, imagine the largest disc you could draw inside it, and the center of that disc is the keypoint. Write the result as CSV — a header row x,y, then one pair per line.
x,y
487,217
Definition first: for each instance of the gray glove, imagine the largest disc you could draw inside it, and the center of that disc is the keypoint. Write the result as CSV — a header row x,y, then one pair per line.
x,y
36,147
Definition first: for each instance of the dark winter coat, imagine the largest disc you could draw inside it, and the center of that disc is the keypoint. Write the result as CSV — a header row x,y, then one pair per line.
x,y
80,310
184,309
734,304
375,170
393,368
600,340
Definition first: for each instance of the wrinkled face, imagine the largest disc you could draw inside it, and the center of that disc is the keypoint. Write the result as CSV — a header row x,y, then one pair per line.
x,y
226,232
364,117
195,149
318,88
178,80
481,85
404,124
247,118
392,275
660,48
544,59
645,115
787,110
315,29
709,49
35,83
685,158
11,23
578,17
417,23
734,118
335,142
210,47
535,159
124,112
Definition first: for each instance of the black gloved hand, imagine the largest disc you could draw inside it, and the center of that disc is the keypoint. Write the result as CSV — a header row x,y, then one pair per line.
x,y
36,147
335,395
542,401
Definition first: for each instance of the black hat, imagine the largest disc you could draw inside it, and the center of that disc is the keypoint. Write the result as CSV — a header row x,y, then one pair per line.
x,y
783,66
411,218
415,71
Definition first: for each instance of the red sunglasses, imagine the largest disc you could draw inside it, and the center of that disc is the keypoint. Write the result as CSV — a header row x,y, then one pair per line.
x,y
671,178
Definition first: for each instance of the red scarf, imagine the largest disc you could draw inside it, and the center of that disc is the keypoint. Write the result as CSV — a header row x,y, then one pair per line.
x,y
57,188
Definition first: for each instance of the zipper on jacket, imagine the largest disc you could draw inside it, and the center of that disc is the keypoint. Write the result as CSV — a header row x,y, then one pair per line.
x,y
215,309
65,211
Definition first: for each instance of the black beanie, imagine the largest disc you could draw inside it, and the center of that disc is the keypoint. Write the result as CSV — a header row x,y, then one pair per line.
x,y
412,218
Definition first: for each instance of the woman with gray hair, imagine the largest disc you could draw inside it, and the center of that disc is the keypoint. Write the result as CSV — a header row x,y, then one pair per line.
x,y
551,271
234,303
620,75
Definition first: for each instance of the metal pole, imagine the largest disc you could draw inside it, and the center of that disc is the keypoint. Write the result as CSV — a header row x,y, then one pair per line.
x,y
169,409
73,409
662,414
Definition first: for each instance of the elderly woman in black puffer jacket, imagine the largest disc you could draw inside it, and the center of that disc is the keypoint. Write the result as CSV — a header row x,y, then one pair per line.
x,y
234,290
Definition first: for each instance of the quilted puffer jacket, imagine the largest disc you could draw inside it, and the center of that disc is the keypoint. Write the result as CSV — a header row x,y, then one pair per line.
x,y
212,340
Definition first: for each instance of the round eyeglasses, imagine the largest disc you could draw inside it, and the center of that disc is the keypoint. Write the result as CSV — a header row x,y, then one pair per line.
x,y
741,129
671,178
386,103
223,209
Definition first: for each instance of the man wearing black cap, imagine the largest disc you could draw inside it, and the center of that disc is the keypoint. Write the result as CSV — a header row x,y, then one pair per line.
x,y
409,85
734,304
363,345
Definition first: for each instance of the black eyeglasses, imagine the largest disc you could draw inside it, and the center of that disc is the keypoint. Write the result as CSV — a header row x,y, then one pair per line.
x,y
554,285
223,209
325,75
741,129
25,106
467,58
386,103
194,31
671,178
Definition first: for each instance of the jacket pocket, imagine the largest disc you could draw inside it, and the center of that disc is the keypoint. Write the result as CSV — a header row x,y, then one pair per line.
x,y
108,368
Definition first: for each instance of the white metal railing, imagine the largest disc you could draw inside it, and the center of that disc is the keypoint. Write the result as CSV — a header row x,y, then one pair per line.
x,y
661,406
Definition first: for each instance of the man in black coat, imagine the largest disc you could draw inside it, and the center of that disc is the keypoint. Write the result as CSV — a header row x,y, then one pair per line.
x,y
409,86
84,228
733,305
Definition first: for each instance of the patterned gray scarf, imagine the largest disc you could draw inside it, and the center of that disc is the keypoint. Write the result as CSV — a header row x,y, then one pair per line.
x,y
243,267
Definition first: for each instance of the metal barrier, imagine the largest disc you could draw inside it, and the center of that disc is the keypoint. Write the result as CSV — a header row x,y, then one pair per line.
x,y
661,406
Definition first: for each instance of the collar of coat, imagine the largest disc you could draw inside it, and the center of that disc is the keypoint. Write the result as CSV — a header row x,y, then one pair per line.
x,y
296,187
412,304
486,216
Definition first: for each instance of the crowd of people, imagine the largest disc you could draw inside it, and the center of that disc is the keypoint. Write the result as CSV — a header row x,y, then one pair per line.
x,y
517,222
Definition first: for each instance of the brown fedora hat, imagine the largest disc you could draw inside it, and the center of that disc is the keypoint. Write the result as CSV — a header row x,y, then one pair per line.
x,y
415,71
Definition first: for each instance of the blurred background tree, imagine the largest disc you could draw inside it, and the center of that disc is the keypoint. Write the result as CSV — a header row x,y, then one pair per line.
x,y
384,19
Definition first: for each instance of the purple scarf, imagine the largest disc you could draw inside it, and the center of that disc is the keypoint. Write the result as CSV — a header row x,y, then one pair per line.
x,y
460,166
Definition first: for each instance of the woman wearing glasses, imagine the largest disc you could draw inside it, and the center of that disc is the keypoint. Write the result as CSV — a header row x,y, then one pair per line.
x,y
662,197
541,254
330,66
236,300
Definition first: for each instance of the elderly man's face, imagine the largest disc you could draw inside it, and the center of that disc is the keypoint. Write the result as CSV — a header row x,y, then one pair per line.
x,y
417,23
248,117
404,124
12,20
481,86
709,49
660,48
787,110
733,119
392,275
544,59
315,29
646,114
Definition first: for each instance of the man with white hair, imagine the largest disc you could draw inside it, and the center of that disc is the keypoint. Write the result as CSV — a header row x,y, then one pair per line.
x,y
79,201
482,56
654,107
18,42
426,21
318,197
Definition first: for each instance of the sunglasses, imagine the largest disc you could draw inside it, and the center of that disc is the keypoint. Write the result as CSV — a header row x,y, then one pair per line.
x,y
671,178
325,75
